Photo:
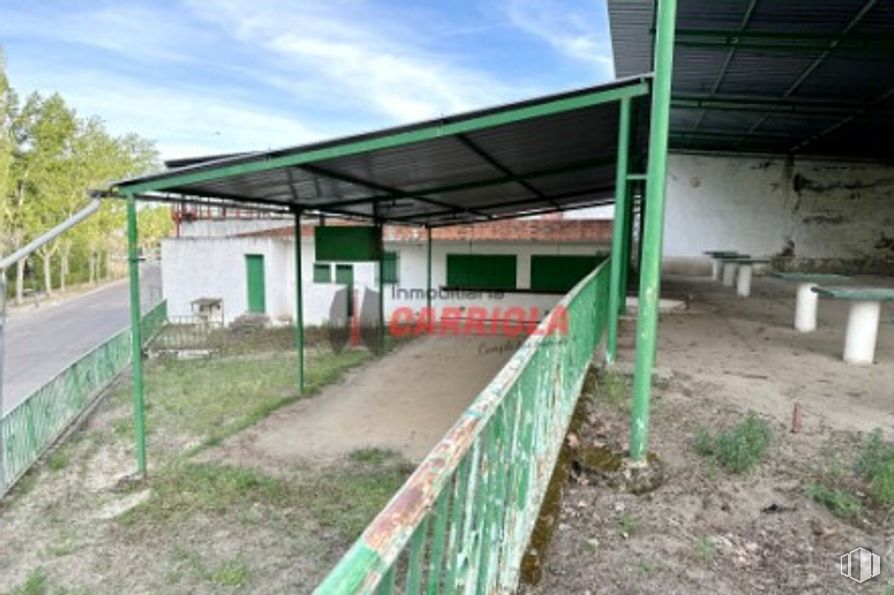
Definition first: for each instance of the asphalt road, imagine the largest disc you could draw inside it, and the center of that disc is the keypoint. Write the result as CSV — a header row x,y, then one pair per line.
x,y
42,342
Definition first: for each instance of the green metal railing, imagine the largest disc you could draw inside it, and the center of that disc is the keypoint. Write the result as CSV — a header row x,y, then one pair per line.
x,y
36,422
463,519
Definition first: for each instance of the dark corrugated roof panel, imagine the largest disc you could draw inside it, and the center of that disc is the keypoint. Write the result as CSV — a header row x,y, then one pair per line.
x,y
830,64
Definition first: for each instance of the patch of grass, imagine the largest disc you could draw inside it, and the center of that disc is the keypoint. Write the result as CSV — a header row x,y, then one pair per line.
x,y
875,465
615,388
627,524
373,456
185,489
840,502
704,548
232,573
35,583
59,460
348,497
739,448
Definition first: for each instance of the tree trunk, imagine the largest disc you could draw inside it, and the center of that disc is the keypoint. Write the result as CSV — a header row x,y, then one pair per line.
x,y
47,258
92,267
20,281
64,265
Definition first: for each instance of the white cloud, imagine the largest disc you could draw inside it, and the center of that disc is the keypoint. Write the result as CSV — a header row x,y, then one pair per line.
x,y
573,33
185,121
366,55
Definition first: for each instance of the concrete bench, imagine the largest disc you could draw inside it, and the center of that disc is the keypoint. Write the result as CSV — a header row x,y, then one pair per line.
x,y
744,271
805,299
862,319
717,266
730,266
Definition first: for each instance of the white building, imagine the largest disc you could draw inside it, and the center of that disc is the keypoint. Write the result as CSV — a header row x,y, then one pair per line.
x,y
520,263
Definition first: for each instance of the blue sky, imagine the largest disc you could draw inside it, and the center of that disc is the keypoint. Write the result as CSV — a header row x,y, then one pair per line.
x,y
205,76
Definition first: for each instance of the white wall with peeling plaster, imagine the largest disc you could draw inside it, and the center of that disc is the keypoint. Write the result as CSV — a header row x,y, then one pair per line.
x,y
826,215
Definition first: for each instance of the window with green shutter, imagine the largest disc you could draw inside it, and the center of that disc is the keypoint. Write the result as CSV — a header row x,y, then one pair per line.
x,y
322,272
344,274
391,268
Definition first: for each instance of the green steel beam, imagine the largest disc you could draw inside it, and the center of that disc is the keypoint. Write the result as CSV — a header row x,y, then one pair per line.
x,y
496,164
650,273
785,41
493,181
381,332
529,213
136,338
392,193
620,223
637,177
299,304
397,139
826,109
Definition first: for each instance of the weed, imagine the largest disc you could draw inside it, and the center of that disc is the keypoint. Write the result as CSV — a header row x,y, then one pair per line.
x,y
704,548
875,464
840,502
232,573
627,524
59,460
738,449
614,387
35,583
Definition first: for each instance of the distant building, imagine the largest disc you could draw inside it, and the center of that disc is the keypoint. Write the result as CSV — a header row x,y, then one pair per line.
x,y
248,263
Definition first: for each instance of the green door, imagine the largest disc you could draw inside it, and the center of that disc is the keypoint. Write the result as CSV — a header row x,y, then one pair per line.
x,y
344,275
254,275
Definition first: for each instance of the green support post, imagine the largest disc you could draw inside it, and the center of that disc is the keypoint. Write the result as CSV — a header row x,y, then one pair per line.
x,y
381,288
136,335
650,267
616,290
428,273
299,304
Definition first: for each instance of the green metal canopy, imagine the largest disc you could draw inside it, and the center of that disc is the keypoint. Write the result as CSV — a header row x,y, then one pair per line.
x,y
547,154
798,77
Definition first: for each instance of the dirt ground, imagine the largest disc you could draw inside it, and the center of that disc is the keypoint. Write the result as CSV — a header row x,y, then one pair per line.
x,y
405,403
706,530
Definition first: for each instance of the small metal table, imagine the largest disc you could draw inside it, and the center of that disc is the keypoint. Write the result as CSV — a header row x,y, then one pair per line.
x,y
862,319
806,300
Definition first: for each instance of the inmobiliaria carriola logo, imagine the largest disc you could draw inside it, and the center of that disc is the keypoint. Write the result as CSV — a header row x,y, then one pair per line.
x,y
354,319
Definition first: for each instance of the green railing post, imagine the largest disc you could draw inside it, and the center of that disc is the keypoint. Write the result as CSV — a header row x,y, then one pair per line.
x,y
136,335
299,304
650,268
428,274
616,290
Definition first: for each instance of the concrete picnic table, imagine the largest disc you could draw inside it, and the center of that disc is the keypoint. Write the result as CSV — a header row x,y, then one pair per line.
x,y
715,256
744,270
730,266
805,300
862,319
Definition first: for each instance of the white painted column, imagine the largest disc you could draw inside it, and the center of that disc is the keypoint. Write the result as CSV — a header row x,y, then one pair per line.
x,y
716,270
805,308
729,273
862,331
743,280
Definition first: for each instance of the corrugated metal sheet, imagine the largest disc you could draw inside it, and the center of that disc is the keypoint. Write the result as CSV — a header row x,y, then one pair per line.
x,y
547,162
835,52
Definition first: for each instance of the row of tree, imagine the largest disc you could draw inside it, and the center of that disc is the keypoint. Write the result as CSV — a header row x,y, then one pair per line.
x,y
50,160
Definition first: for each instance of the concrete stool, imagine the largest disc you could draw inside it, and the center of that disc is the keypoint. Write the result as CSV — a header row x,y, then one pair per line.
x,y
862,320
806,299
744,272
730,267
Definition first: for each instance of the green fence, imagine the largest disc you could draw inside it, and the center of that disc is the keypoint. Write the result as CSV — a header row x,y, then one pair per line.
x,y
36,422
462,521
